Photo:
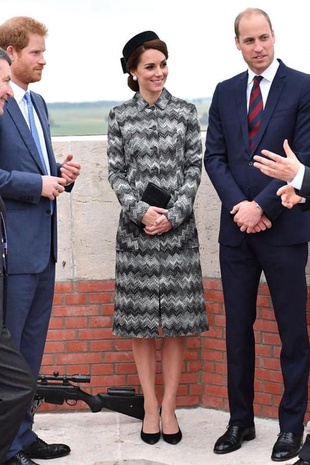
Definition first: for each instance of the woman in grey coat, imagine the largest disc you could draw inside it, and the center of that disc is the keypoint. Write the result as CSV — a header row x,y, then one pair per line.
x,y
155,137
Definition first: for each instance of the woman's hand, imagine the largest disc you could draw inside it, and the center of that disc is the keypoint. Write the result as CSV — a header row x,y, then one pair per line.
x,y
155,221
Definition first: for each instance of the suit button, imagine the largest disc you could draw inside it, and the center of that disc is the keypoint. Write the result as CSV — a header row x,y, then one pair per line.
x,y
250,163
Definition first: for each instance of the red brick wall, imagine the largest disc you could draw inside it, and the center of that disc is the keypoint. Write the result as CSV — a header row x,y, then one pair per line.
x,y
80,341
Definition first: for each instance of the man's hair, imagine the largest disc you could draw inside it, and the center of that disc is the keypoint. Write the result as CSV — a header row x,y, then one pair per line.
x,y
16,31
5,56
248,12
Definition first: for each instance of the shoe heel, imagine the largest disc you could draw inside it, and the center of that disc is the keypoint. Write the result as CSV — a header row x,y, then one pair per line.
x,y
173,438
250,436
150,438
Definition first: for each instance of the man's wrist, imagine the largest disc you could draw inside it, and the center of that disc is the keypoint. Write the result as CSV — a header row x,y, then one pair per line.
x,y
296,182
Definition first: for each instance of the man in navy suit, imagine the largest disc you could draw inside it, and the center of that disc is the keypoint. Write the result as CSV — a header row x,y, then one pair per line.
x,y
258,234
296,191
289,169
17,385
29,187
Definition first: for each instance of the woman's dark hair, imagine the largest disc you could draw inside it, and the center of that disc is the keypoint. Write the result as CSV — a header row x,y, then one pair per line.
x,y
134,59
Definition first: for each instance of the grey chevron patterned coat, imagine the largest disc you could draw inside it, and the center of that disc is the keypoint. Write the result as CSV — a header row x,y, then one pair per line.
x,y
158,278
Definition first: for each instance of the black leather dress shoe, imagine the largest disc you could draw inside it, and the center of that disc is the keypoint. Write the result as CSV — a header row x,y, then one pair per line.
x,y
233,438
20,459
41,450
286,447
301,462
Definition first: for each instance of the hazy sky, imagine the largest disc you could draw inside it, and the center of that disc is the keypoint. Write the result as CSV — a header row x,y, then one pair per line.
x,y
86,38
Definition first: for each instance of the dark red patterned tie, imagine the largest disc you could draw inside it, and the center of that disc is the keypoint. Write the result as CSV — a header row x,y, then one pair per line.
x,y
255,110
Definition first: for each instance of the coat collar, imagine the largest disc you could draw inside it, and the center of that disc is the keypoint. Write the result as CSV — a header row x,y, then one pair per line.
x,y
161,103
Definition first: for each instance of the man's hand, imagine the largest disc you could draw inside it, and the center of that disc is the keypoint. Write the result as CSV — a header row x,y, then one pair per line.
x,y
70,170
52,186
246,214
250,218
262,225
276,166
289,198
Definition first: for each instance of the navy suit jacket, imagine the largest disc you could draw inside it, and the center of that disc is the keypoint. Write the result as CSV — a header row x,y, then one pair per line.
x,y
31,229
305,187
229,161
2,269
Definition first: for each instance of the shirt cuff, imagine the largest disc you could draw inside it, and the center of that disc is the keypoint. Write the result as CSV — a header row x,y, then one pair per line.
x,y
297,181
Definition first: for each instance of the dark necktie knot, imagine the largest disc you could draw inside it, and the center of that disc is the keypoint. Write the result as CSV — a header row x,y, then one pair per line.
x,y
27,96
257,80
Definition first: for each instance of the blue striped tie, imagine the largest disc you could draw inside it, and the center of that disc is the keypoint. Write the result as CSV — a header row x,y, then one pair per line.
x,y
34,130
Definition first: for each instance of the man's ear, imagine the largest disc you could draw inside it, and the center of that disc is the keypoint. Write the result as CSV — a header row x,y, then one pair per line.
x,y
11,52
237,43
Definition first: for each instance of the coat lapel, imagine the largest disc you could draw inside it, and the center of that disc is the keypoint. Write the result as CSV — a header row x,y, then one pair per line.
x,y
241,103
43,117
18,119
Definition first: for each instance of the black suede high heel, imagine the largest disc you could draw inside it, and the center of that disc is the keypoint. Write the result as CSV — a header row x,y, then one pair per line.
x,y
149,438
173,438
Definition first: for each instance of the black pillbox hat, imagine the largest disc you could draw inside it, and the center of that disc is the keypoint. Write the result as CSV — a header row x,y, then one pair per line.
x,y
134,43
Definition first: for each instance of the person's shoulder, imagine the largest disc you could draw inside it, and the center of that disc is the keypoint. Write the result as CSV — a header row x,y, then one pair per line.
x,y
39,102
233,79
121,110
182,102
231,83
292,71
178,101
120,107
37,96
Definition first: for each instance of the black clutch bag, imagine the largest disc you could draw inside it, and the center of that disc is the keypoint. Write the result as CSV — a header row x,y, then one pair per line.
x,y
155,196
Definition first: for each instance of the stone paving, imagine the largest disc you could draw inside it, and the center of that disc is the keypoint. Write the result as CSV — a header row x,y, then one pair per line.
x,y
109,438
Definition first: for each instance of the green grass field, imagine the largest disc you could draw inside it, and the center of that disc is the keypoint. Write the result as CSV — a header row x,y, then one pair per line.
x,y
91,118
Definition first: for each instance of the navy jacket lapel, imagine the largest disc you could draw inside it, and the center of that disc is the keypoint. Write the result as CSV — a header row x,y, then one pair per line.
x,y
241,102
41,110
18,119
